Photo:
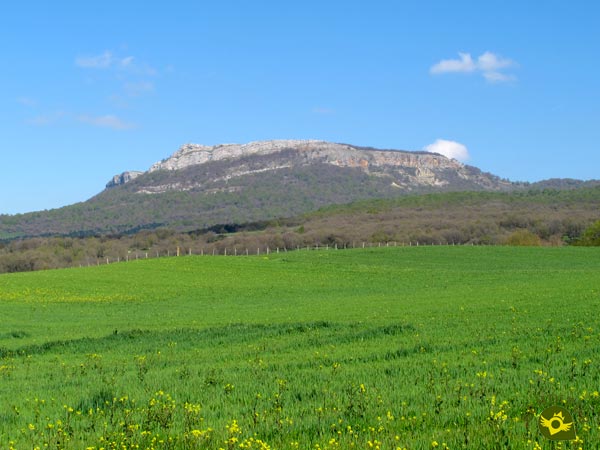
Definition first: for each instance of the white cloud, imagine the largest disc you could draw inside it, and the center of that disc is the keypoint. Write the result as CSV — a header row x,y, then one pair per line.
x,y
131,91
497,77
127,76
488,64
450,149
101,61
105,60
464,64
107,121
125,62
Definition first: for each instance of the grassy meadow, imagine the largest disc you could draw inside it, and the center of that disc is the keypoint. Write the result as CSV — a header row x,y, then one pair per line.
x,y
410,347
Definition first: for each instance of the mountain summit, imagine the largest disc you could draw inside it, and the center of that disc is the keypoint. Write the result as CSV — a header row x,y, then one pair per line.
x,y
201,186
403,170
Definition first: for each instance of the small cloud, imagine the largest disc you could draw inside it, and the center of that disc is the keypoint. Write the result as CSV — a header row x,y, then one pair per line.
x,y
488,64
497,77
101,61
105,60
107,121
464,64
126,62
450,149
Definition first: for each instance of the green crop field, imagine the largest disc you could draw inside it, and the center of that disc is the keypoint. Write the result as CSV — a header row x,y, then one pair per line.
x,y
416,348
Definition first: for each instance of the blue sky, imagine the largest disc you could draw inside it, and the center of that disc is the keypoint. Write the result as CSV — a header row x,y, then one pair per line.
x,y
91,89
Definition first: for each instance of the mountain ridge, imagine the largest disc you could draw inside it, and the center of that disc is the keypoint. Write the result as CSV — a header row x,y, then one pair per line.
x,y
202,186
410,169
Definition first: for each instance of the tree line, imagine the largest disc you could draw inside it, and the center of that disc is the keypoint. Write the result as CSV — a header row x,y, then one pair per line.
x,y
453,218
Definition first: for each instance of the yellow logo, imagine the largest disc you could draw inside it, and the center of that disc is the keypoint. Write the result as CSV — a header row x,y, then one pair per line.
x,y
556,424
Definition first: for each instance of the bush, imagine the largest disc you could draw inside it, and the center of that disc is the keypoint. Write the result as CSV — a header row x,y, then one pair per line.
x,y
523,238
591,236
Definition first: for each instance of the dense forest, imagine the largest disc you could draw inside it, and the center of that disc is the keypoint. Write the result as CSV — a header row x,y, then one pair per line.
x,y
535,217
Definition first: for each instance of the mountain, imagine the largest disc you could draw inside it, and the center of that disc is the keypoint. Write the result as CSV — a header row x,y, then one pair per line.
x,y
200,186
564,184
404,170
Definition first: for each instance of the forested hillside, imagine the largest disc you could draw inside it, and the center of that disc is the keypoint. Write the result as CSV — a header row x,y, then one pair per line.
x,y
199,187
535,217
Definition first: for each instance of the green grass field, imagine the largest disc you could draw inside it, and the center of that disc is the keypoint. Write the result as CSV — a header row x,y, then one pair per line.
x,y
417,348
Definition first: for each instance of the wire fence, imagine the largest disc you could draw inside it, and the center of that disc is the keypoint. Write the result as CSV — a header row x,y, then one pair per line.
x,y
134,255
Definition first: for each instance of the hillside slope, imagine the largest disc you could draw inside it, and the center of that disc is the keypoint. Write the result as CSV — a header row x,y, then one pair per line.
x,y
533,217
201,186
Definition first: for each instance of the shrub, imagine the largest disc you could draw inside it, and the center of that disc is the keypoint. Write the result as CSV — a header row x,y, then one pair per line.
x,y
591,236
523,238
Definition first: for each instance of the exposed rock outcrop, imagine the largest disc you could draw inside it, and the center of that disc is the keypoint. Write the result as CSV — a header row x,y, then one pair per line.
x,y
123,178
404,169
337,154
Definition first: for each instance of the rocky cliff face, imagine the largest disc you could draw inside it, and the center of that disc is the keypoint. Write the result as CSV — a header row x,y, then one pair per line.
x,y
405,170
123,178
342,155
202,186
